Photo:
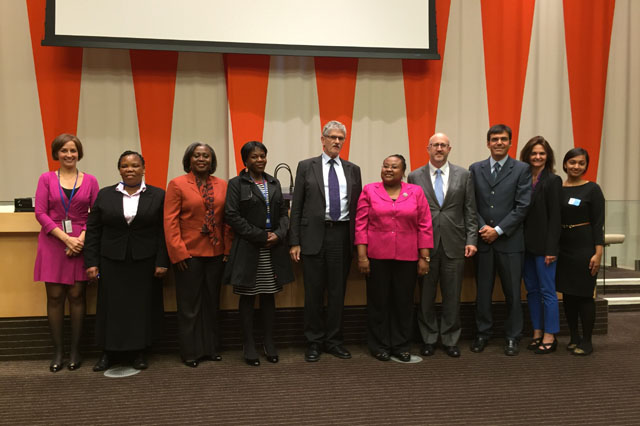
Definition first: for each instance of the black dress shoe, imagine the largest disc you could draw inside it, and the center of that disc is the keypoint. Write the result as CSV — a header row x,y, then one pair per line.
x,y
103,363
191,363
511,347
271,358
140,363
312,354
453,351
214,357
382,356
340,352
479,344
428,349
403,356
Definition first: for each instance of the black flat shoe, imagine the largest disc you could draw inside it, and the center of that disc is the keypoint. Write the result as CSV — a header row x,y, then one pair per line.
x,y
533,345
271,358
103,363
583,350
140,363
547,348
72,366
55,367
382,356
403,356
191,363
252,362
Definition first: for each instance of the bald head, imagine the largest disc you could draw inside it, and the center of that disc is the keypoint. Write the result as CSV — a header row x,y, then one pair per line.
x,y
438,149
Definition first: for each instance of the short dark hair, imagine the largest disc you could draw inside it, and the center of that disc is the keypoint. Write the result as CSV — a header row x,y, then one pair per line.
x,y
402,160
498,128
188,153
248,148
525,154
127,153
62,139
574,153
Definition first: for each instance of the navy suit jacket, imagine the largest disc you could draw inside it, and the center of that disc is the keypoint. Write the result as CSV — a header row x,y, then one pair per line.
x,y
503,202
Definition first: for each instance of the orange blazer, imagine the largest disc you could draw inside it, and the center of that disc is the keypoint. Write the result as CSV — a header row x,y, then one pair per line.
x,y
184,213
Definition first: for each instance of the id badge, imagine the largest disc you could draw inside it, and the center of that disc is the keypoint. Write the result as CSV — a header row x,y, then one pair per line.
x,y
66,226
574,202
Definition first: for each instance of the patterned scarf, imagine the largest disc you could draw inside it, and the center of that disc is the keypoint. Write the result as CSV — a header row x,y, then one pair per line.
x,y
206,191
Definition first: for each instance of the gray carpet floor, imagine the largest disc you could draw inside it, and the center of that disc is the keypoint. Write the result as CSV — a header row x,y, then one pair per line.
x,y
476,389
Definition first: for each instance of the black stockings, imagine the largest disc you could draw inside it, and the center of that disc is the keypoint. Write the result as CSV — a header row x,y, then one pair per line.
x,y
584,308
56,296
267,310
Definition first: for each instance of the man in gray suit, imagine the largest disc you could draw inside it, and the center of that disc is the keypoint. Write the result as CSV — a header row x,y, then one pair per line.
x,y
449,190
322,228
503,195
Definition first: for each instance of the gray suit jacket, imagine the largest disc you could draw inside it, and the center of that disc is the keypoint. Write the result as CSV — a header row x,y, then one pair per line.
x,y
455,223
503,203
309,205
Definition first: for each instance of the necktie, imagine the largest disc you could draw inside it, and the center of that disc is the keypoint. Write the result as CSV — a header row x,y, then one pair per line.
x,y
438,187
496,170
334,192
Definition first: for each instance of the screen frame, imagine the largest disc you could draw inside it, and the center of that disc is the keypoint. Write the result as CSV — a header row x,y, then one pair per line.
x,y
52,39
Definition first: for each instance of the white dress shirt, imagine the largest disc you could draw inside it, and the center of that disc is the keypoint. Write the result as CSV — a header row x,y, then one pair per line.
x,y
445,177
130,202
342,181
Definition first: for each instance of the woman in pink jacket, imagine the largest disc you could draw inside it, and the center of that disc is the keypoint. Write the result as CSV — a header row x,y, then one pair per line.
x,y
393,237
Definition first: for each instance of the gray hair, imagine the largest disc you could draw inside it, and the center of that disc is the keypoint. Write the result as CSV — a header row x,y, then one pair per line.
x,y
333,124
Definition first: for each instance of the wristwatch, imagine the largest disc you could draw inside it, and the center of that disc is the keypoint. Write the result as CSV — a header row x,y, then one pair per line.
x,y
426,258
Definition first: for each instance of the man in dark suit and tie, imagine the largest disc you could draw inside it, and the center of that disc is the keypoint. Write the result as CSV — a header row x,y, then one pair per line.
x,y
503,195
323,214
449,190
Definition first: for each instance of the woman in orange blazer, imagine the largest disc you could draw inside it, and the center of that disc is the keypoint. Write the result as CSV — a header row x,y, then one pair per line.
x,y
198,242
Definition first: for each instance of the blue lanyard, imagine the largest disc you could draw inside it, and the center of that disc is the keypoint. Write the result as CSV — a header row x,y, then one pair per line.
x,y
265,194
73,191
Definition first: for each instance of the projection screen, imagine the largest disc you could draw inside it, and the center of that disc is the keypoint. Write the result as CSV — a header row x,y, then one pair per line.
x,y
349,28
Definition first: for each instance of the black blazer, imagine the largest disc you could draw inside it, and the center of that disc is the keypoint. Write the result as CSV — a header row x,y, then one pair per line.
x,y
503,202
542,224
108,234
309,205
245,211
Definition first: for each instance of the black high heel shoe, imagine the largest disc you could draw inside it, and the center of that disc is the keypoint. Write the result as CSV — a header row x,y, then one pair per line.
x,y
271,358
191,363
54,367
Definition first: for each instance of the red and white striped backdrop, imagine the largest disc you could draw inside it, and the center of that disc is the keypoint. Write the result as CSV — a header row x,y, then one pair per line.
x,y
566,69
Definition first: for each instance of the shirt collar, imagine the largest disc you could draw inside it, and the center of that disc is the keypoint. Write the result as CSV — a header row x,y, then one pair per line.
x,y
326,158
120,188
444,168
493,162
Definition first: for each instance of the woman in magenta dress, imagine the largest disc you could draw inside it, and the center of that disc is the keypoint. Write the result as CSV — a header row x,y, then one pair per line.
x,y
63,199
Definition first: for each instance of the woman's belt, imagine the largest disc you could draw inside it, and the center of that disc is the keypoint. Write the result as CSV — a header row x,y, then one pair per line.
x,y
576,225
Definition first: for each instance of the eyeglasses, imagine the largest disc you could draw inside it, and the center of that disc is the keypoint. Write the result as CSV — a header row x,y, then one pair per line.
x,y
338,138
439,145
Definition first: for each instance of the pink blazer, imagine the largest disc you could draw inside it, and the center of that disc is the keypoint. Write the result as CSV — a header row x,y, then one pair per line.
x,y
393,229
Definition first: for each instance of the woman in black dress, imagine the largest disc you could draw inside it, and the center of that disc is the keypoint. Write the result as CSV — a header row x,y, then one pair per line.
x,y
259,260
581,247
125,249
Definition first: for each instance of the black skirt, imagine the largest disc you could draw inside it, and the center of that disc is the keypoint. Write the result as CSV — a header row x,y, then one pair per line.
x,y
129,309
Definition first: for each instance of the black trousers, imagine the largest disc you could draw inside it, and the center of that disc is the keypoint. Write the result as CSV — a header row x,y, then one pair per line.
x,y
509,267
390,290
198,298
327,270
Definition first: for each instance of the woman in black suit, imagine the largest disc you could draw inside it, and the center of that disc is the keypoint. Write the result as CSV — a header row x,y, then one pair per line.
x,y
125,249
259,259
541,239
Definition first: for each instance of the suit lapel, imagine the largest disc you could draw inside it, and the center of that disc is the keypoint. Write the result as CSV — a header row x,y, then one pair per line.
x,y
347,175
452,183
486,172
505,171
316,169
426,177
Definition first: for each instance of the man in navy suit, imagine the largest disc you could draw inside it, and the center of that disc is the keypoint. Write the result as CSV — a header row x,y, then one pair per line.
x,y
323,216
503,194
